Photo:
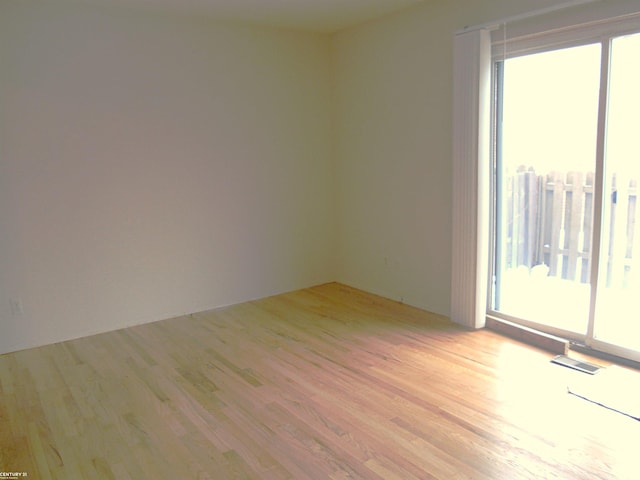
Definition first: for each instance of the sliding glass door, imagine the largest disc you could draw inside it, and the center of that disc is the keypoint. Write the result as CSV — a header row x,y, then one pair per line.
x,y
566,254
545,172
617,315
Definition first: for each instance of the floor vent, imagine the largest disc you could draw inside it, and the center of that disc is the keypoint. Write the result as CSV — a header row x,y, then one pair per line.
x,y
585,367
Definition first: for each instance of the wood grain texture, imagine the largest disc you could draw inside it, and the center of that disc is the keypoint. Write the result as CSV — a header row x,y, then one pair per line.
x,y
323,383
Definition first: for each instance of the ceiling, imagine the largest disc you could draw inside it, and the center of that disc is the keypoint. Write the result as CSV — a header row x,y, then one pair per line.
x,y
315,15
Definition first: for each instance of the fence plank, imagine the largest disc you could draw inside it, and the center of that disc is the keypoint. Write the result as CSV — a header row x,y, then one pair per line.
x,y
587,228
532,216
519,223
555,187
572,224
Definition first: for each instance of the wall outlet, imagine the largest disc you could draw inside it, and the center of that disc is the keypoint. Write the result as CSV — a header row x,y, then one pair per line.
x,y
17,309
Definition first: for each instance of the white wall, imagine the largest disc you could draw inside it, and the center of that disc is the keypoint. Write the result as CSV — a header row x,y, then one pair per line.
x,y
393,139
152,166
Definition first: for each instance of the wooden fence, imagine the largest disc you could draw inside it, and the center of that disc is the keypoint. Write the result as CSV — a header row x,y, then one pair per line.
x,y
549,220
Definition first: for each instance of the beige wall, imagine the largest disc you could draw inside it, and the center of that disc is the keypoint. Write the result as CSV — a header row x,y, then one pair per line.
x,y
152,166
393,139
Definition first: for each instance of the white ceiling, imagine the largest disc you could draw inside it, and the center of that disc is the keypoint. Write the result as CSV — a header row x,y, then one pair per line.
x,y
316,15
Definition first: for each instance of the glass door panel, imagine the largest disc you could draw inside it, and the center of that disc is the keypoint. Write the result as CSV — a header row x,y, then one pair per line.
x,y
546,150
617,319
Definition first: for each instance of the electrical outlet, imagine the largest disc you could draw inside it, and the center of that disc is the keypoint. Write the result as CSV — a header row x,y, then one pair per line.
x,y
17,309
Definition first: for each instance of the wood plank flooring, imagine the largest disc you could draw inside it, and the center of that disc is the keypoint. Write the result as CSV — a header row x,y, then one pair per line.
x,y
323,383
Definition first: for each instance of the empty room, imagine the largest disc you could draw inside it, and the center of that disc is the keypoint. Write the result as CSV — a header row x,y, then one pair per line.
x,y
319,239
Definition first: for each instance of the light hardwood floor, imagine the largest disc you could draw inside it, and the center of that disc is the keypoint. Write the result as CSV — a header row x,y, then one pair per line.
x,y
323,383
